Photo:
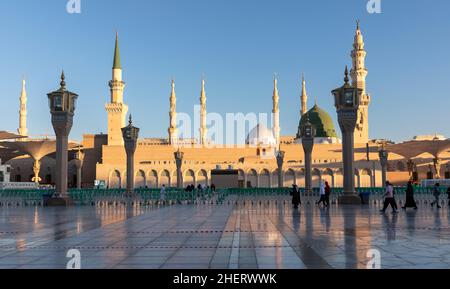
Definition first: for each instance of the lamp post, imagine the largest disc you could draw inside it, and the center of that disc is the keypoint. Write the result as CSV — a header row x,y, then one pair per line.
x,y
307,135
79,159
437,167
36,169
179,161
130,136
384,156
62,107
280,161
410,164
347,100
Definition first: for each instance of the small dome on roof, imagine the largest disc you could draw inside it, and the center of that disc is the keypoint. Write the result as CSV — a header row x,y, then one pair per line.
x,y
321,121
261,136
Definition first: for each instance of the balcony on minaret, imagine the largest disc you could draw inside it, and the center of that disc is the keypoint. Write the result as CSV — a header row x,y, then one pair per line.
x,y
117,88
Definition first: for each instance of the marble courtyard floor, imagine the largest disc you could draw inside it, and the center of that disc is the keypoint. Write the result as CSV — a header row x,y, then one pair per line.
x,y
229,236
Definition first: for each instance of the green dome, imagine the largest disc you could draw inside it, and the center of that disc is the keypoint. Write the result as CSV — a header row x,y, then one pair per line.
x,y
321,121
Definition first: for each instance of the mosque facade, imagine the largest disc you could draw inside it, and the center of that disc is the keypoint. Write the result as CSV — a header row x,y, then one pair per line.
x,y
155,166
105,159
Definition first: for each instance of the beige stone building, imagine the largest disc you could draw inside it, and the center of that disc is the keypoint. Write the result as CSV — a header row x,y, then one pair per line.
x,y
105,158
154,159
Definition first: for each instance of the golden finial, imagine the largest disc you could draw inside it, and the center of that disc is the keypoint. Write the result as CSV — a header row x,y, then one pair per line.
x,y
63,82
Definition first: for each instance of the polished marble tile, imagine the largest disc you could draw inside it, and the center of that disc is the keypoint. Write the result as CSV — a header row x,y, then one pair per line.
x,y
250,236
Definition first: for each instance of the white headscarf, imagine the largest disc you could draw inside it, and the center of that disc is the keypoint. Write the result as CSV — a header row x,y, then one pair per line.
x,y
322,188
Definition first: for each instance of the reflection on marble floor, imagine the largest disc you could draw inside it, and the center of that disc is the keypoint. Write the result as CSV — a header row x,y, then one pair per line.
x,y
235,236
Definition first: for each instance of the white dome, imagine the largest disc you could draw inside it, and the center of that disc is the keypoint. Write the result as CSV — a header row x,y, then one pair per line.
x,y
261,136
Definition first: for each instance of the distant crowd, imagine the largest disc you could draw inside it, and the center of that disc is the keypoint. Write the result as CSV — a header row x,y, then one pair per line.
x,y
389,197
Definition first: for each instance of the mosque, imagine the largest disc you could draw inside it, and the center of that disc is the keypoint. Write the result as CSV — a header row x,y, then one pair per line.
x,y
104,158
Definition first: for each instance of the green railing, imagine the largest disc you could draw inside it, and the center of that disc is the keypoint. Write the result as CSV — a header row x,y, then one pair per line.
x,y
177,196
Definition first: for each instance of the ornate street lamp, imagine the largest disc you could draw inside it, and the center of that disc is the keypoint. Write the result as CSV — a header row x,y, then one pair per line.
x,y
307,135
280,161
130,136
179,161
437,163
347,100
62,107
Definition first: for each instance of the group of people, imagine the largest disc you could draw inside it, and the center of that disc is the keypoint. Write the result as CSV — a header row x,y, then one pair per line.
x,y
410,200
190,188
200,188
325,193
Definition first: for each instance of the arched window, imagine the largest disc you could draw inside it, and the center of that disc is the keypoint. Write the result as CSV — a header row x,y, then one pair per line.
x,y
252,179
264,179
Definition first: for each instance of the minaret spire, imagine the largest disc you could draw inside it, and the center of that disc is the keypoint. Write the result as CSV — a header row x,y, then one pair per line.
x,y
203,129
116,108
276,111
23,131
304,97
173,130
117,64
358,72
358,75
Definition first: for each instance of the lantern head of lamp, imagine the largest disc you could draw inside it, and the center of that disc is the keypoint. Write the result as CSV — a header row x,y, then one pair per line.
x,y
62,100
280,159
383,154
130,133
308,130
347,96
179,155
281,154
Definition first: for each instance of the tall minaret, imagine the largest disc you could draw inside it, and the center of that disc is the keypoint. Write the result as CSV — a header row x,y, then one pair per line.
x,y
23,131
276,111
304,97
358,74
203,129
116,109
173,131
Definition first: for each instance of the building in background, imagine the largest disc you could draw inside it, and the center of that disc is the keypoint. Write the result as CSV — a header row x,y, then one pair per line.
x,y
254,162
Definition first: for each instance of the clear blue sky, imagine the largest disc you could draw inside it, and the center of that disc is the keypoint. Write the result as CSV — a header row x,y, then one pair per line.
x,y
238,44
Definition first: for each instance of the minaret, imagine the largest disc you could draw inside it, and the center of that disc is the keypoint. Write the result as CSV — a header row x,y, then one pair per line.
x,y
116,109
173,131
358,74
203,129
23,131
276,111
304,97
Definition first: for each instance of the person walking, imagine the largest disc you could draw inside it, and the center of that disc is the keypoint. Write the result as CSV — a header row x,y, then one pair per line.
x,y
389,198
322,194
162,195
410,201
295,193
436,194
327,194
